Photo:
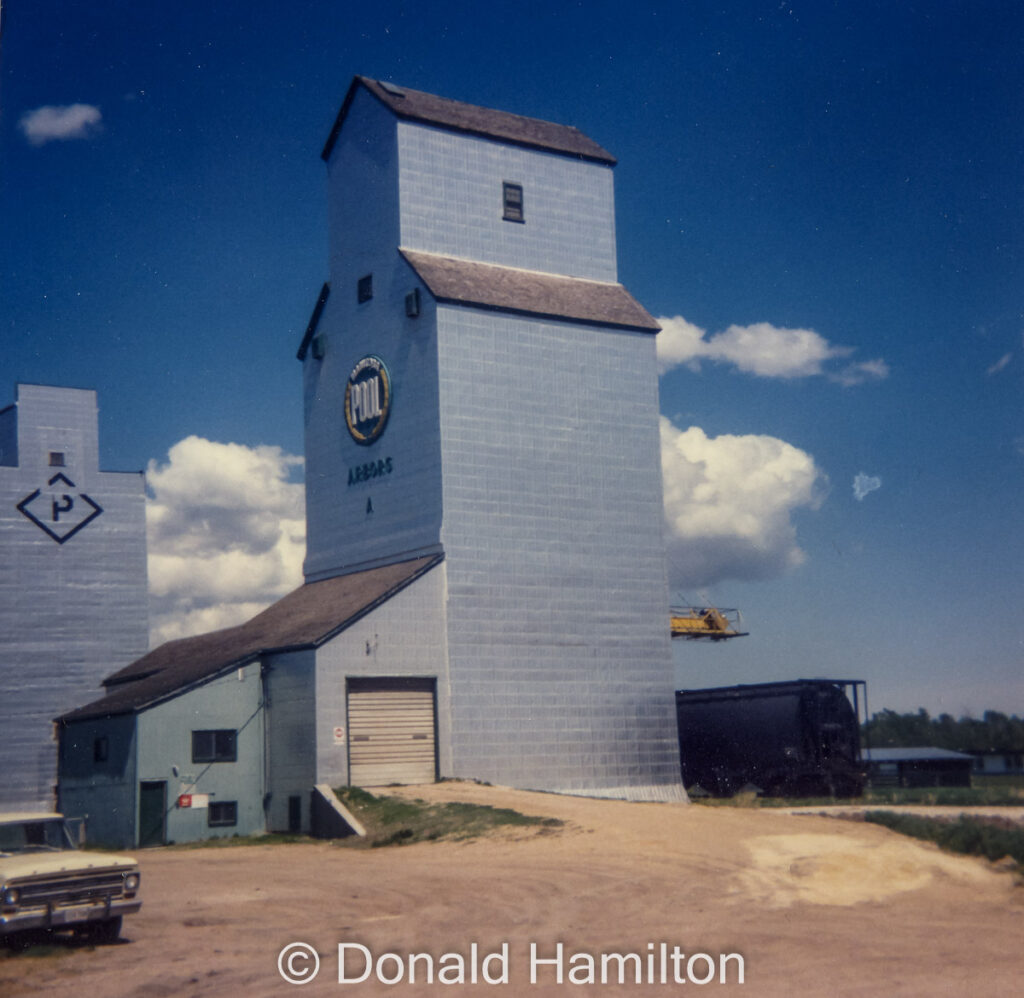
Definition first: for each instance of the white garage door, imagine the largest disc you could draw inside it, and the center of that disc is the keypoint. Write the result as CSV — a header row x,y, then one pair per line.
x,y
391,732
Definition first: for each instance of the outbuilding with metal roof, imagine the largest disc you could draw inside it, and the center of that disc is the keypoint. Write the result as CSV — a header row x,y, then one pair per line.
x,y
922,766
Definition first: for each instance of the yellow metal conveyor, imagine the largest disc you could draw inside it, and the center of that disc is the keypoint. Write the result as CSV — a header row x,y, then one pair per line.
x,y
705,622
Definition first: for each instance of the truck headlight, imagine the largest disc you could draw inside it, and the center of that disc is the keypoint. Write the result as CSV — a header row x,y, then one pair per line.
x,y
10,896
131,883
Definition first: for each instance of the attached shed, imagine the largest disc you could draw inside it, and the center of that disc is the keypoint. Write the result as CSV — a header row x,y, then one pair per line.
x,y
229,732
918,767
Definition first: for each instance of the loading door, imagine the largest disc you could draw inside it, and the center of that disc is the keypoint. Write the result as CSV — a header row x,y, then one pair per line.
x,y
391,731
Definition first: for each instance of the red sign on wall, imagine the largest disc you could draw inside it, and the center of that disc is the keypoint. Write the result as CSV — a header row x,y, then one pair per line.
x,y
185,800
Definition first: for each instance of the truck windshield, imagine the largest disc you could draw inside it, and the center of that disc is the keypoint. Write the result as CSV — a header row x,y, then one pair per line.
x,y
34,836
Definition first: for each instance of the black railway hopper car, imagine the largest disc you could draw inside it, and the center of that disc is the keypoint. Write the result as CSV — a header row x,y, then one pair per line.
x,y
793,738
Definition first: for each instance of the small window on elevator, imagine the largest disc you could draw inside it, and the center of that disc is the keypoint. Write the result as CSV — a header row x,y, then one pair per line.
x,y
56,459
512,202
364,288
101,749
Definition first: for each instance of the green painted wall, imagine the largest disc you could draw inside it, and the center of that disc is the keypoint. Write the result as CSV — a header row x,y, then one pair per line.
x,y
100,790
233,702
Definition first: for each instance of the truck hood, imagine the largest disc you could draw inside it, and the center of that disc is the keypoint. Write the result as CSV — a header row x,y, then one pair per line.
x,y
43,863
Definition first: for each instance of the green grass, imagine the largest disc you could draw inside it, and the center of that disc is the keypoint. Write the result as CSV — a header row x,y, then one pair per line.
x,y
986,792
227,841
979,795
973,836
393,821
1009,783
399,821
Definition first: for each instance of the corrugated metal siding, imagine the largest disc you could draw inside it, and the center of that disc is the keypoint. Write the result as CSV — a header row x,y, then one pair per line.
x,y
557,604
73,609
391,734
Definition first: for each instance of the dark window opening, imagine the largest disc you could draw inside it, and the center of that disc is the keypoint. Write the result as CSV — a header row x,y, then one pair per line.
x,y
364,288
215,746
295,814
221,813
56,459
512,201
100,749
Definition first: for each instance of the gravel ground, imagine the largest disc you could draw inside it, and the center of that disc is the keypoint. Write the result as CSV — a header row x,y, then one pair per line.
x,y
813,907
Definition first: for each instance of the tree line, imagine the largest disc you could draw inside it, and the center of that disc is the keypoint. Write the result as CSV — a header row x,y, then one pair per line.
x,y
993,732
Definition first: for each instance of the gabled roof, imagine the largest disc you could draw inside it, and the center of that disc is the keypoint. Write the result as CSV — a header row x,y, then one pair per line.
x,y
530,292
306,618
414,105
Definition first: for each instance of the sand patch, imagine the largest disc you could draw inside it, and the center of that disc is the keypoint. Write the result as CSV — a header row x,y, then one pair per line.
x,y
843,870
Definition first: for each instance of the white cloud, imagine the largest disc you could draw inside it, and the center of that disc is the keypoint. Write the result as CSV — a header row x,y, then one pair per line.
x,y
764,350
679,342
53,124
857,374
729,502
863,484
770,352
1000,364
226,525
226,532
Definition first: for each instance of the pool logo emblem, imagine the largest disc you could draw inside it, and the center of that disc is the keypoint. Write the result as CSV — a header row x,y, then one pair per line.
x,y
367,400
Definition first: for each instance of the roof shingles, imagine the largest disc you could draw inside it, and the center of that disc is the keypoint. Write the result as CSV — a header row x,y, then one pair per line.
x,y
532,292
414,105
305,618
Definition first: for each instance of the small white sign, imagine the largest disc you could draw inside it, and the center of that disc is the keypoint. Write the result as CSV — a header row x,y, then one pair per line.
x,y
200,800
339,735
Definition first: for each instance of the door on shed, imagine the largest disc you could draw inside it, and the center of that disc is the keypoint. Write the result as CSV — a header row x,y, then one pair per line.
x,y
391,731
152,813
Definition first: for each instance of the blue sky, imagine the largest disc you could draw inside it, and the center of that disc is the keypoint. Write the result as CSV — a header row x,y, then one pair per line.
x,y
847,170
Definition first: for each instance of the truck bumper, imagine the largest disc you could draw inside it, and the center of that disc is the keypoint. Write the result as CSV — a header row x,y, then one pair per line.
x,y
66,917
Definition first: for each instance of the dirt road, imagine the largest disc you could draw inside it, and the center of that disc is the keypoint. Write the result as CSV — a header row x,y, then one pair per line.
x,y
815,906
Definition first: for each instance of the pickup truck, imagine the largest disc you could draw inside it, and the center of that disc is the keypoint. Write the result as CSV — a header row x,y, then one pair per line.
x,y
46,882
